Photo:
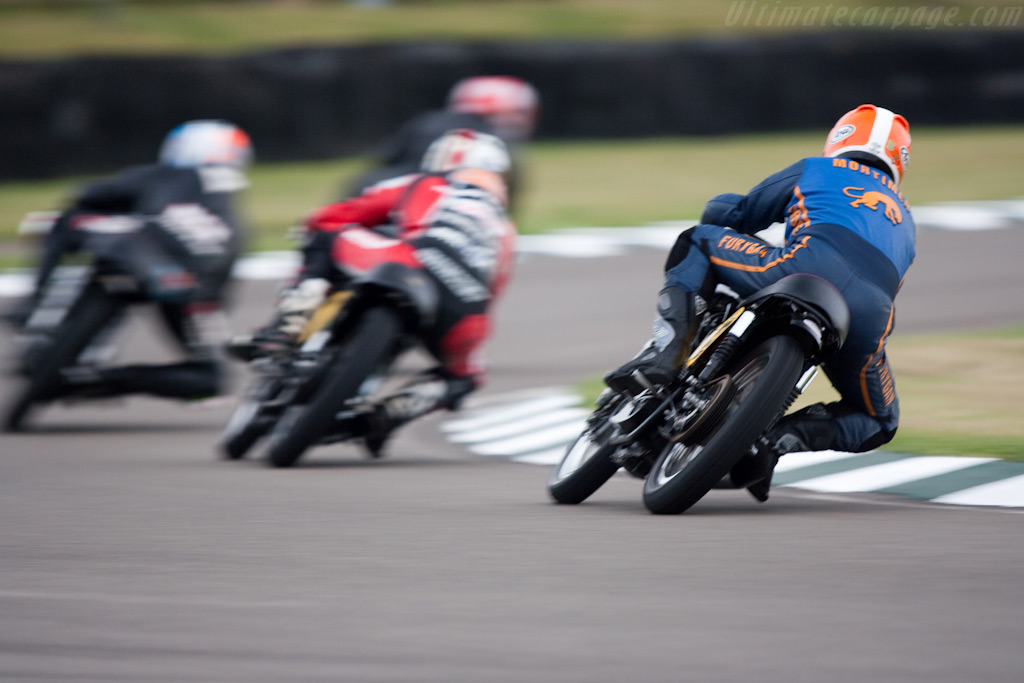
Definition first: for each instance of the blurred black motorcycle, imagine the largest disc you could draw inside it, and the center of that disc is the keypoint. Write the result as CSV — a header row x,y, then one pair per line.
x,y
321,390
65,332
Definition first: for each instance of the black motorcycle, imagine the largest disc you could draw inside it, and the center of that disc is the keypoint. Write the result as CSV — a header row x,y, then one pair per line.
x,y
706,428
64,336
320,391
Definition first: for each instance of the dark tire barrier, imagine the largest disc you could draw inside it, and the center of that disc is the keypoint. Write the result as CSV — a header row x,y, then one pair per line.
x,y
99,113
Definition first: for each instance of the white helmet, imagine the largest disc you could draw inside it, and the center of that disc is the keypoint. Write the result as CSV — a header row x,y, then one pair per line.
x,y
201,143
465,148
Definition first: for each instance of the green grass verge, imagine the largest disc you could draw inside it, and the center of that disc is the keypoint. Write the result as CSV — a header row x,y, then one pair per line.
x,y
960,394
51,28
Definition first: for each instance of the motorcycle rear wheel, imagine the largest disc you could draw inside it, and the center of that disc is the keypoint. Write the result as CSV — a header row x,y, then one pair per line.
x,y
685,472
90,314
586,466
370,345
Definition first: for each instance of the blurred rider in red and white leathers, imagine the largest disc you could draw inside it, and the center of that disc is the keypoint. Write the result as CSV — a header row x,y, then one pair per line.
x,y
450,221
505,106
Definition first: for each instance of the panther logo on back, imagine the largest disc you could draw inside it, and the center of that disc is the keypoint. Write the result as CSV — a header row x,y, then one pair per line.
x,y
871,199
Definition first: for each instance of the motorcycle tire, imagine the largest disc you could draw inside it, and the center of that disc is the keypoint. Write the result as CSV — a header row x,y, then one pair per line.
x,y
89,315
586,466
763,379
242,431
302,426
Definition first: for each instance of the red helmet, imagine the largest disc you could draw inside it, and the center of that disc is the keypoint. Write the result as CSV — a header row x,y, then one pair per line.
x,y
872,133
509,103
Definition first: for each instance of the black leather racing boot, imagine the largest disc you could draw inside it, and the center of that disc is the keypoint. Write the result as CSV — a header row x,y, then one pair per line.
x,y
659,361
295,306
810,429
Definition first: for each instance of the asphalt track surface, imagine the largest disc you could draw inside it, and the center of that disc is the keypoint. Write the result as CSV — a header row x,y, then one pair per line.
x,y
129,552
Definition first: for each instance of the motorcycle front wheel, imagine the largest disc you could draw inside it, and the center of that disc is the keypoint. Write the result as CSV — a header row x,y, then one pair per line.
x,y
763,380
586,466
242,431
45,364
369,346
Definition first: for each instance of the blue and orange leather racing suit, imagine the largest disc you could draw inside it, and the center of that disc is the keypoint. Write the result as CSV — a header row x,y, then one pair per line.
x,y
846,222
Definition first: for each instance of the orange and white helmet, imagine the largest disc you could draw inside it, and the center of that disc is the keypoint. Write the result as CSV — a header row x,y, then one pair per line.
x,y
509,103
202,143
872,133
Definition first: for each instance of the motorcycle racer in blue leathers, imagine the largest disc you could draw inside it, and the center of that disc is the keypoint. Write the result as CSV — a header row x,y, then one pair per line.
x,y
846,221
